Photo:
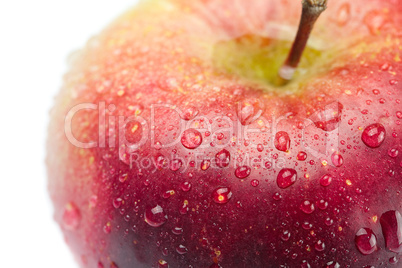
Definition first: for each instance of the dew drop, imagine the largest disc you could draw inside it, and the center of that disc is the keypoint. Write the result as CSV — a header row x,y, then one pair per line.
x,y
117,202
393,152
176,164
328,119
393,260
366,241
205,164
181,249
163,264
333,264
242,172
191,138
282,141
222,159
177,230
255,183
107,229
71,216
285,235
326,180
277,196
337,159
374,21
155,217
305,264
286,177
260,148
249,110
399,114
319,246
391,225
373,135
307,207
185,186
189,113
343,15
301,156
222,195
168,194
322,204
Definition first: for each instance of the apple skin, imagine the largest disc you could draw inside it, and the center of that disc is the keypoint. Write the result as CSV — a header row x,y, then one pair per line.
x,y
157,64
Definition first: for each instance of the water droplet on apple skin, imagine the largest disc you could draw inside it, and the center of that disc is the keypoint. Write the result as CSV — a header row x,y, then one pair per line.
x,y
155,216
71,216
373,135
366,241
249,110
242,172
181,250
222,158
307,207
337,159
191,138
328,118
286,177
221,195
391,226
326,180
282,141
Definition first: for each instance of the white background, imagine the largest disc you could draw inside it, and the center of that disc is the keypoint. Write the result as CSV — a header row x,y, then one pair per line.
x,y
36,37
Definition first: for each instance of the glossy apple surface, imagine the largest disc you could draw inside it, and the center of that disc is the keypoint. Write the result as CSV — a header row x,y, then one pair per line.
x,y
170,145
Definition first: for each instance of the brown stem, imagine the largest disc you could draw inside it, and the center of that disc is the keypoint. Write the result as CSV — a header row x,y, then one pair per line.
x,y
312,9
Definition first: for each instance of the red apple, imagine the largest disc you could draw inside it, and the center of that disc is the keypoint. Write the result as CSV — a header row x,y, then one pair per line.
x,y
171,143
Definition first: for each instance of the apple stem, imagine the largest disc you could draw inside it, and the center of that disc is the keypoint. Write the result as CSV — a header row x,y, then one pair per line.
x,y
312,9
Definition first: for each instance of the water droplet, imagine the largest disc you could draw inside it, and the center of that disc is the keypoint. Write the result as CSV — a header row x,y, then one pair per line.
x,y
117,202
307,207
177,230
393,152
322,204
301,156
255,183
242,172
306,225
376,91
326,180
260,148
160,162
168,194
222,159
189,113
286,177
319,246
374,21
393,260
305,264
277,196
282,141
373,135
391,225
366,241
176,164
71,216
181,249
162,264
328,119
333,264
185,186
155,217
285,235
399,114
337,159
329,221
184,208
205,164
107,228
222,195
191,138
249,110
343,15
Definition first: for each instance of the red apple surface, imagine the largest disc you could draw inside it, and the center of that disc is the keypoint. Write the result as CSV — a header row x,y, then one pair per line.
x,y
171,144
